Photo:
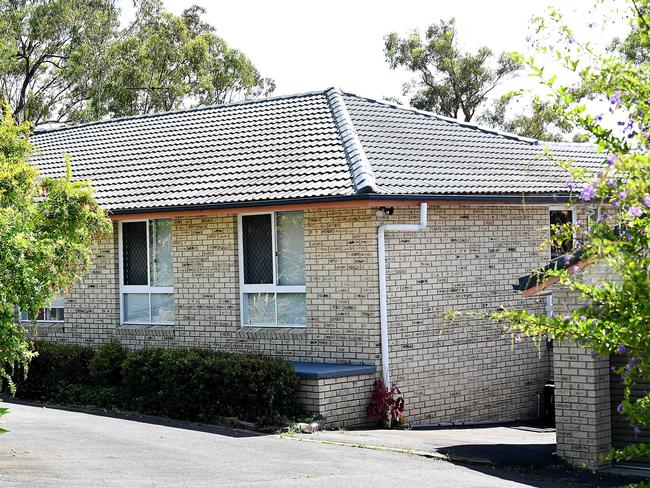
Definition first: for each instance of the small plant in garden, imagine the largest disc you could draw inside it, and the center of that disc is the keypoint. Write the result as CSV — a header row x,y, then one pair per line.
x,y
386,405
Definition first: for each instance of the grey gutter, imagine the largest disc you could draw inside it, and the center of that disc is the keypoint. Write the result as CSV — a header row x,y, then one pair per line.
x,y
506,198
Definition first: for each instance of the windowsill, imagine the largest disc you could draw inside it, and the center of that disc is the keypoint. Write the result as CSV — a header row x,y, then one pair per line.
x,y
166,331
42,323
272,330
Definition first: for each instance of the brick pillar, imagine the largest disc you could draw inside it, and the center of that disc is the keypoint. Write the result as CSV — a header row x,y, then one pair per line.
x,y
582,405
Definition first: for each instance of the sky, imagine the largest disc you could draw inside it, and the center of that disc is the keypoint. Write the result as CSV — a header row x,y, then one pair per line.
x,y
307,45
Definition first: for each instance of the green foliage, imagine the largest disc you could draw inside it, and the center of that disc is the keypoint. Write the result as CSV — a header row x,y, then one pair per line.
x,y
55,369
47,229
106,364
187,384
69,61
539,120
450,82
616,316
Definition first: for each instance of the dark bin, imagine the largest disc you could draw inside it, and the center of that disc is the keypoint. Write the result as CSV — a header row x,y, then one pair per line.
x,y
548,413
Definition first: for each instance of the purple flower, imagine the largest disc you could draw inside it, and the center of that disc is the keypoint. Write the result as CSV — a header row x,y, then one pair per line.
x,y
573,270
622,195
646,200
611,160
599,117
619,409
571,41
611,184
591,25
637,430
566,318
620,123
622,349
580,222
635,212
583,318
568,258
616,204
517,338
588,192
634,361
571,185
615,99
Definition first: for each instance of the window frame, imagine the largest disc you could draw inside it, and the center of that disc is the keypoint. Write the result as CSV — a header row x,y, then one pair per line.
x,y
148,289
46,321
574,217
273,288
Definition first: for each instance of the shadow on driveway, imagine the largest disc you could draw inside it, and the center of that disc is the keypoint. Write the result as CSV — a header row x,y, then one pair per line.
x,y
146,419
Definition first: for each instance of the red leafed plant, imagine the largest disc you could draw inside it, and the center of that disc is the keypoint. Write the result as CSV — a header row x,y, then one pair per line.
x,y
386,405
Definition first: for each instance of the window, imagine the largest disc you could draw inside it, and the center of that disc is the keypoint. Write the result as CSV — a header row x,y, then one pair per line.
x,y
53,313
146,272
561,215
272,269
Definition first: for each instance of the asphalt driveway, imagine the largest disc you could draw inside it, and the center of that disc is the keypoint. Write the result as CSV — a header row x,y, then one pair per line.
x,y
58,448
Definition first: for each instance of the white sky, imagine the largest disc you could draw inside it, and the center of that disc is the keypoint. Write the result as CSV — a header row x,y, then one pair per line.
x,y
311,45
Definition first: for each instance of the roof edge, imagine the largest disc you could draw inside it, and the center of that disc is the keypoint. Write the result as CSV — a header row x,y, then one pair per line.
x,y
363,177
514,198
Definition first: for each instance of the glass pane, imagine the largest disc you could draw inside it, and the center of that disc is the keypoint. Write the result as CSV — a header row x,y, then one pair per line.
x,y
559,218
290,230
162,308
160,252
261,308
257,249
136,307
134,253
292,309
53,314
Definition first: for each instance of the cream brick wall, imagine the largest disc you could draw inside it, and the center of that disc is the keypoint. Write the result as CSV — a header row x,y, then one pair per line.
x,y
582,393
467,261
343,402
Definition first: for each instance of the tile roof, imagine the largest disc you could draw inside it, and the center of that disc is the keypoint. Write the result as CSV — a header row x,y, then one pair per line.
x,y
315,145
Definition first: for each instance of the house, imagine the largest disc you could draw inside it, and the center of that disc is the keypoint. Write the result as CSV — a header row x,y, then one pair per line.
x,y
330,229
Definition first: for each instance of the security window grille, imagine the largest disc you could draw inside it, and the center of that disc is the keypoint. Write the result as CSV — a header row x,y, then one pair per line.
x,y
560,217
272,269
146,272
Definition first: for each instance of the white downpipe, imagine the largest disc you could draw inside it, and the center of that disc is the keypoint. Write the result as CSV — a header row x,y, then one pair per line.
x,y
383,307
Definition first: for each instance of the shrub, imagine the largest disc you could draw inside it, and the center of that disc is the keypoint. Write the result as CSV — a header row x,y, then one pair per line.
x,y
186,384
53,370
106,365
386,405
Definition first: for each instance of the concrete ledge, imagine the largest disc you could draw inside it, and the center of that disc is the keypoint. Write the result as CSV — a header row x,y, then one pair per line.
x,y
319,371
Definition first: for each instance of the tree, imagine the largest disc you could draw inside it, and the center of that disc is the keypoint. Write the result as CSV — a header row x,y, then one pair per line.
x,y
69,61
47,229
46,48
615,317
168,61
540,120
449,82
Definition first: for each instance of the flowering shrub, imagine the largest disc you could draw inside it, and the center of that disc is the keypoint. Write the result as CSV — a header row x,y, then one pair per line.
x,y
386,405
616,316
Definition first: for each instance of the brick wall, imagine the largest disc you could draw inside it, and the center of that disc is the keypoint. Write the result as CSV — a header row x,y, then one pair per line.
x,y
343,401
466,370
467,260
582,394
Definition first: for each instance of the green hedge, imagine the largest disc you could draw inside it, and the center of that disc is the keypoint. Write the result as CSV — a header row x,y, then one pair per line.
x,y
187,384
